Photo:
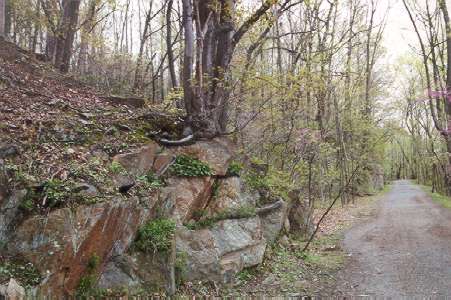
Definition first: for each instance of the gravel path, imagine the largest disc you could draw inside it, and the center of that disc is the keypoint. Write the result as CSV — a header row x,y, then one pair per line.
x,y
404,251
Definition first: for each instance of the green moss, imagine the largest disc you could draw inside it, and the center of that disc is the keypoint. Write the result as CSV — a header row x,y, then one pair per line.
x,y
190,167
155,236
242,212
22,271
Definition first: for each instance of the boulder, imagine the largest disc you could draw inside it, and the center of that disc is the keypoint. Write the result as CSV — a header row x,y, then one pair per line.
x,y
273,219
139,161
9,212
219,253
152,271
229,194
11,290
61,244
183,196
162,162
217,153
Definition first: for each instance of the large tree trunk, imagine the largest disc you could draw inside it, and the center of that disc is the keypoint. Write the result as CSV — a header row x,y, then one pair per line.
x,y
206,97
66,34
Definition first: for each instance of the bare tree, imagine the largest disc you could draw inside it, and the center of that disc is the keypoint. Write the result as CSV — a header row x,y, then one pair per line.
x,y
206,95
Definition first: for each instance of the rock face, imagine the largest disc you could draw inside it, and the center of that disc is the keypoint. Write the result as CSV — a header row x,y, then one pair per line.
x,y
184,196
273,220
230,194
12,290
9,212
140,161
61,244
218,253
155,271
217,153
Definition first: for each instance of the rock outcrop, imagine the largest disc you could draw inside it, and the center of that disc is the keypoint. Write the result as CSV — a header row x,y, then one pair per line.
x,y
63,244
220,252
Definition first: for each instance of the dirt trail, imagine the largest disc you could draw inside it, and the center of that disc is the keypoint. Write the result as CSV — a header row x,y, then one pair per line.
x,y
404,251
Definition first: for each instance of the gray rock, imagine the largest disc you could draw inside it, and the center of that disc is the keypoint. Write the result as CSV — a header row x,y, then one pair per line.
x,y
8,150
12,290
219,253
273,219
9,212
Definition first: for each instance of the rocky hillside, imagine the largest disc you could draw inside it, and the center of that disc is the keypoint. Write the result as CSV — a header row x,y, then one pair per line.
x,y
90,203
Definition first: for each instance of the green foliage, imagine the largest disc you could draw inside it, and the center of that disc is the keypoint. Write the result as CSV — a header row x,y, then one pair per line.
x,y
93,262
436,197
190,167
181,269
151,180
24,272
241,212
278,183
155,236
86,285
234,169
117,168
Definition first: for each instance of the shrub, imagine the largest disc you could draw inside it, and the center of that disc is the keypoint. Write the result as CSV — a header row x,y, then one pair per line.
x,y
190,167
234,169
155,236
151,180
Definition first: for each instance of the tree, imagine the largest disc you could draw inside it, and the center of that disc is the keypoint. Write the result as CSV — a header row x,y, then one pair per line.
x,y
213,42
2,17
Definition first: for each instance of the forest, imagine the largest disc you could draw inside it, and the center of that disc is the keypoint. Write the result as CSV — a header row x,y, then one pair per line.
x,y
147,143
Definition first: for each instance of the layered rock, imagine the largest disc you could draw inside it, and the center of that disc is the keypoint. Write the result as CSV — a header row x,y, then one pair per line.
x,y
61,244
220,252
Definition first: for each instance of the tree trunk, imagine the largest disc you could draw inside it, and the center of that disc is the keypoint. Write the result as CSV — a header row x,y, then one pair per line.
x,y
85,33
171,59
2,18
446,132
206,97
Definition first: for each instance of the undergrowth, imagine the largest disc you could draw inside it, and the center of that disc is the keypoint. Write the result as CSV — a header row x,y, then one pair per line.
x,y
155,236
187,166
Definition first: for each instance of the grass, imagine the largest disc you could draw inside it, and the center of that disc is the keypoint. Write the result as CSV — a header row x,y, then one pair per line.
x,y
443,200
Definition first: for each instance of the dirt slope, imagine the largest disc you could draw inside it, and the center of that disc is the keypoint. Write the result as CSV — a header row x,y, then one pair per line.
x,y
404,251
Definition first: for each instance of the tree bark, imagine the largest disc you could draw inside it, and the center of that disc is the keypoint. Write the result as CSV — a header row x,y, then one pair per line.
x,y
2,18
206,97
171,59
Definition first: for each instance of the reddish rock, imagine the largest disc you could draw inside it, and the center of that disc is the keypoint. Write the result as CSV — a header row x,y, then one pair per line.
x,y
217,153
61,244
139,161
162,162
229,195
185,195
